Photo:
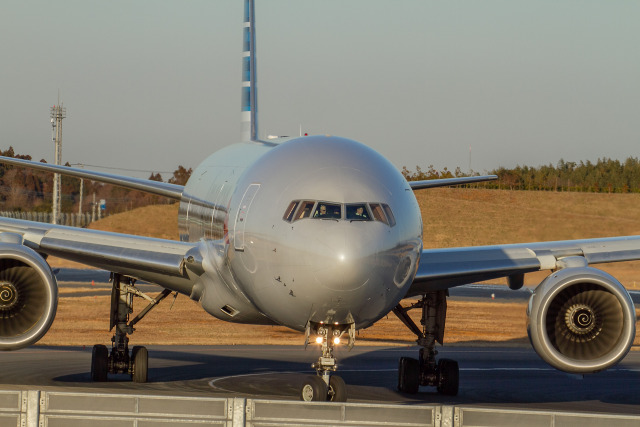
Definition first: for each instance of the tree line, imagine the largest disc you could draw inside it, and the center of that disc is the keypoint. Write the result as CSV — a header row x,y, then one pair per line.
x,y
604,176
28,190
23,189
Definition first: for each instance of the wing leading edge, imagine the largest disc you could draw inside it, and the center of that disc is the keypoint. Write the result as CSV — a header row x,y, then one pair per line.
x,y
446,182
165,189
171,264
446,268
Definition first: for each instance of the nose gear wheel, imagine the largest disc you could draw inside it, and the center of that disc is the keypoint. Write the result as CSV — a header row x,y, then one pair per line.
x,y
324,386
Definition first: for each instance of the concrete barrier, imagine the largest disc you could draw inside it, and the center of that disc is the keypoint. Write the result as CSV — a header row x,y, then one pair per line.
x,y
41,408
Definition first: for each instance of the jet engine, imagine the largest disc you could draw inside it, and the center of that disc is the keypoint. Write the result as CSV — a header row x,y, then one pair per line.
x,y
28,296
581,320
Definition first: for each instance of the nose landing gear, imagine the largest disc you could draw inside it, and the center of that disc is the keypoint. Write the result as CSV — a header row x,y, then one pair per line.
x,y
426,371
324,386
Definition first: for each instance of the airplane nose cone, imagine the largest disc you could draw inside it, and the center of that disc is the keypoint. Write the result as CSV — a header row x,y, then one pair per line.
x,y
346,259
359,272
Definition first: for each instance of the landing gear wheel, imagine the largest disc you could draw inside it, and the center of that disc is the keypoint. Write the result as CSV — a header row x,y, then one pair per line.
x,y
448,377
408,375
99,363
337,389
314,389
139,358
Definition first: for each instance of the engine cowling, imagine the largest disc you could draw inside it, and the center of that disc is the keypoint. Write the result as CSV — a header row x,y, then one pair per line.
x,y
28,296
581,320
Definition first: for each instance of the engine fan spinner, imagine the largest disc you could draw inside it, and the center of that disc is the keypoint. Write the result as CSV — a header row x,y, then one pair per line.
x,y
581,320
28,296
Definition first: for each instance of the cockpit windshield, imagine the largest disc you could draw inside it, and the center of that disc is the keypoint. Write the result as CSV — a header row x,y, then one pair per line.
x,y
358,212
301,209
328,211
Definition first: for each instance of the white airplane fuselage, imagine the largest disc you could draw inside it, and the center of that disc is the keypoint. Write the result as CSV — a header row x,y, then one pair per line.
x,y
274,259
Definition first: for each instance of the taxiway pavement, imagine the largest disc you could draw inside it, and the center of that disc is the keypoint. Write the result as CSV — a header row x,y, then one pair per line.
x,y
504,377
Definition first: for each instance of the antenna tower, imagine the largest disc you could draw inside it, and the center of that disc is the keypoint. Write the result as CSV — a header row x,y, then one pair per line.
x,y
58,112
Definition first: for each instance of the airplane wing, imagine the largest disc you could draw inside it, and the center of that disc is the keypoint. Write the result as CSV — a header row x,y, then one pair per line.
x,y
165,189
447,182
171,264
446,268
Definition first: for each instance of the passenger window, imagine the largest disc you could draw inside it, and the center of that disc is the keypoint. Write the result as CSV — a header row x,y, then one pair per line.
x,y
328,211
358,212
387,210
288,214
378,213
305,209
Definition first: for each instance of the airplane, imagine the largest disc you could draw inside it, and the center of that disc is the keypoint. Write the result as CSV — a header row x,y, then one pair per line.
x,y
320,234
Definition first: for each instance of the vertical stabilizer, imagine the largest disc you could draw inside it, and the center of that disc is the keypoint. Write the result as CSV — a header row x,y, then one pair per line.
x,y
249,76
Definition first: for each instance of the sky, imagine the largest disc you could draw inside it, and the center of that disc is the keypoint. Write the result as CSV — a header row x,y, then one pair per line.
x,y
150,85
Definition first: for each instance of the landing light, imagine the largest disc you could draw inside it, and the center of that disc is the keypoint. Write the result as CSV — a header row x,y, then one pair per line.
x,y
336,340
319,340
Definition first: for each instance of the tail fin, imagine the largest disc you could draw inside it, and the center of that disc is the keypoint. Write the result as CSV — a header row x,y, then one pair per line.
x,y
249,76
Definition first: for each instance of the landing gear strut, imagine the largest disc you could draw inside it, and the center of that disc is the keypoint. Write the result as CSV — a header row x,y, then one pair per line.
x,y
119,361
426,371
324,386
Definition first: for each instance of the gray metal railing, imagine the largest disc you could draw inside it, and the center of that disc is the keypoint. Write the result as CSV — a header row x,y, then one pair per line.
x,y
33,408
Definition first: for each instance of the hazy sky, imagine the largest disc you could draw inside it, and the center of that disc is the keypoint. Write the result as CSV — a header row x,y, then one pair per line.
x,y
150,85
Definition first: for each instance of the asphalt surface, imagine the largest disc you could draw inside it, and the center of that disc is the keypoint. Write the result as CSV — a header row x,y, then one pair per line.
x,y
513,378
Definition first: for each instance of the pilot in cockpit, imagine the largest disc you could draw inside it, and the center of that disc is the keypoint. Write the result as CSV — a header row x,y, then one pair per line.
x,y
327,211
360,213
322,212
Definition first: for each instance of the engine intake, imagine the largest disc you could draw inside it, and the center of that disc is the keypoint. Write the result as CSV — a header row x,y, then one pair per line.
x,y
581,320
28,296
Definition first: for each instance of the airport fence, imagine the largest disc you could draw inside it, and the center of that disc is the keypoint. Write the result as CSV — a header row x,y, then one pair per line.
x,y
47,408
74,220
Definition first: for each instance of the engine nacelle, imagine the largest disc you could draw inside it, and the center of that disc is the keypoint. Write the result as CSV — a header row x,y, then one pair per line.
x,y
28,296
581,320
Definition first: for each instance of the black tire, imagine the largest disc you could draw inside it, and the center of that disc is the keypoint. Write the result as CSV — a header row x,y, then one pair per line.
x,y
448,377
314,389
408,375
337,389
140,360
99,363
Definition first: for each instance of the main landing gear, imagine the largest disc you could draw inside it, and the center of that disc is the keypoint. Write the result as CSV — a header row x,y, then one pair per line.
x,y
324,386
426,371
119,361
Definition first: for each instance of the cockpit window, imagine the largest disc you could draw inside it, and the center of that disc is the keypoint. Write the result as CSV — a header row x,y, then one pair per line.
x,y
305,209
378,213
390,217
328,211
291,210
358,212
300,209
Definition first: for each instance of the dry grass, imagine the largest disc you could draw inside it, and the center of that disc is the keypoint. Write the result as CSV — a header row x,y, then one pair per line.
x,y
466,217
452,217
159,221
85,321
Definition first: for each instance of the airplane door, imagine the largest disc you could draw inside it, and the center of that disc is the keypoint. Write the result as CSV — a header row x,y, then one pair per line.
x,y
241,218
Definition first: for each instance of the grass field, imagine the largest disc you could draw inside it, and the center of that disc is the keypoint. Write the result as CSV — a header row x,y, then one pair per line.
x,y
452,217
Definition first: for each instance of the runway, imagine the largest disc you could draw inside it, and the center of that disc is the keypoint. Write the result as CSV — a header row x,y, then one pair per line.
x,y
512,378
